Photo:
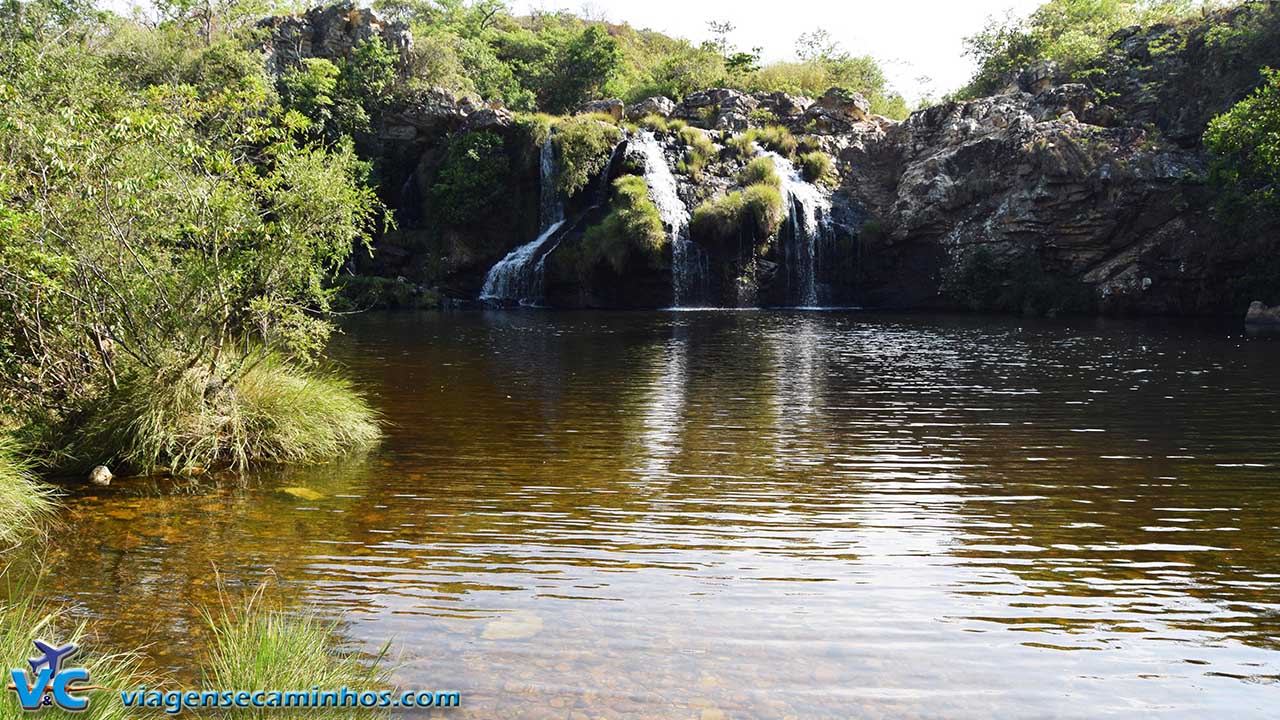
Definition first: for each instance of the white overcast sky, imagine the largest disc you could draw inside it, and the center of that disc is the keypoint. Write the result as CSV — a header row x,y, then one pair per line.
x,y
918,42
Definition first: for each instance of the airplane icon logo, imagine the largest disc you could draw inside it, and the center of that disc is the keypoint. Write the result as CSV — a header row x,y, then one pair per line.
x,y
52,658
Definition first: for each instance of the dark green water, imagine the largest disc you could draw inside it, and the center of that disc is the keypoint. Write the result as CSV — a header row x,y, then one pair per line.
x,y
759,515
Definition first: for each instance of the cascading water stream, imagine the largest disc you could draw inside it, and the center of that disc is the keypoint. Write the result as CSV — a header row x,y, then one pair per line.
x,y
806,229
688,263
518,277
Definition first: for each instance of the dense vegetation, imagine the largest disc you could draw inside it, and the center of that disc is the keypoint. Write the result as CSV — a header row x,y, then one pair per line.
x,y
631,232
1245,147
1072,33
552,61
165,242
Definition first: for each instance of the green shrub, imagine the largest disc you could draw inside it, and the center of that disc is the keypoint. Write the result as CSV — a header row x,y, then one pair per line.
x,y
654,123
25,502
535,126
741,146
816,167
1244,146
471,178
256,648
632,229
762,116
188,417
755,211
699,150
583,146
371,292
775,138
759,170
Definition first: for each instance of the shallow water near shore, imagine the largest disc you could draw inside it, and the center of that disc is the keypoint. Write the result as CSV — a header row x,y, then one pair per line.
x,y
755,515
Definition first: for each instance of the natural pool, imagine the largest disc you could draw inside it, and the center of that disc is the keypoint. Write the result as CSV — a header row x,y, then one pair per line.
x,y
756,515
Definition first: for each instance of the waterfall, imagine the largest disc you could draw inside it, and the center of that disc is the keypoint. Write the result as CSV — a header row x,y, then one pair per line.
x,y
551,208
805,232
518,277
688,262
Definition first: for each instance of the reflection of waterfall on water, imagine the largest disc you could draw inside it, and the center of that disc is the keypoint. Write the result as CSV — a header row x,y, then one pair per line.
x,y
799,362
664,409
518,277
688,262
805,234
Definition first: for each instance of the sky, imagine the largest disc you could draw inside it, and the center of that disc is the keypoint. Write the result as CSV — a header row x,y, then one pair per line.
x,y
918,42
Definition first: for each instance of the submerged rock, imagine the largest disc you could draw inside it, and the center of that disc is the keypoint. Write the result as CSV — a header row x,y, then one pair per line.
x,y
302,493
517,626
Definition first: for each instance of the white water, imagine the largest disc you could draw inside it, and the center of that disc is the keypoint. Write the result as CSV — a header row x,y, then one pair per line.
x,y
688,265
808,216
518,277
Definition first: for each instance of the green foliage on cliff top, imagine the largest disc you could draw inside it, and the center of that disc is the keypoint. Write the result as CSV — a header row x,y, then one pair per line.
x,y
1245,147
754,212
583,146
631,231
1072,33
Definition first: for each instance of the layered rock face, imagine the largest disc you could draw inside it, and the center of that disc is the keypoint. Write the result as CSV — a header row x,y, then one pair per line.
x,y
1052,196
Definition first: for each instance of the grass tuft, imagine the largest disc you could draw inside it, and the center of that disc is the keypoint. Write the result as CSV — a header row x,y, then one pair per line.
x,y
816,167
699,150
184,418
25,502
254,647
22,620
760,170
755,211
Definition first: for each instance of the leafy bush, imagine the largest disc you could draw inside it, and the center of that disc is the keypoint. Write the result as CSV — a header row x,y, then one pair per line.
x,y
816,167
185,417
472,177
25,503
1244,143
583,146
632,230
760,170
755,212
167,228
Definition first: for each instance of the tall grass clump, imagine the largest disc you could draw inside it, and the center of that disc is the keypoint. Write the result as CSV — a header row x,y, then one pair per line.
x,y
754,212
23,619
816,167
698,151
759,170
654,123
632,230
742,145
254,647
25,502
188,418
774,137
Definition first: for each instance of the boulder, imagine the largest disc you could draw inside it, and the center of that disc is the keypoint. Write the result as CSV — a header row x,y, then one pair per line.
x,y
1260,314
489,118
837,111
719,108
656,105
327,31
100,475
783,106
1038,77
612,107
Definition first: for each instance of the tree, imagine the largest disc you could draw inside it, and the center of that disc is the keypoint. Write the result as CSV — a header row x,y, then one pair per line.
x,y
586,63
1245,146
